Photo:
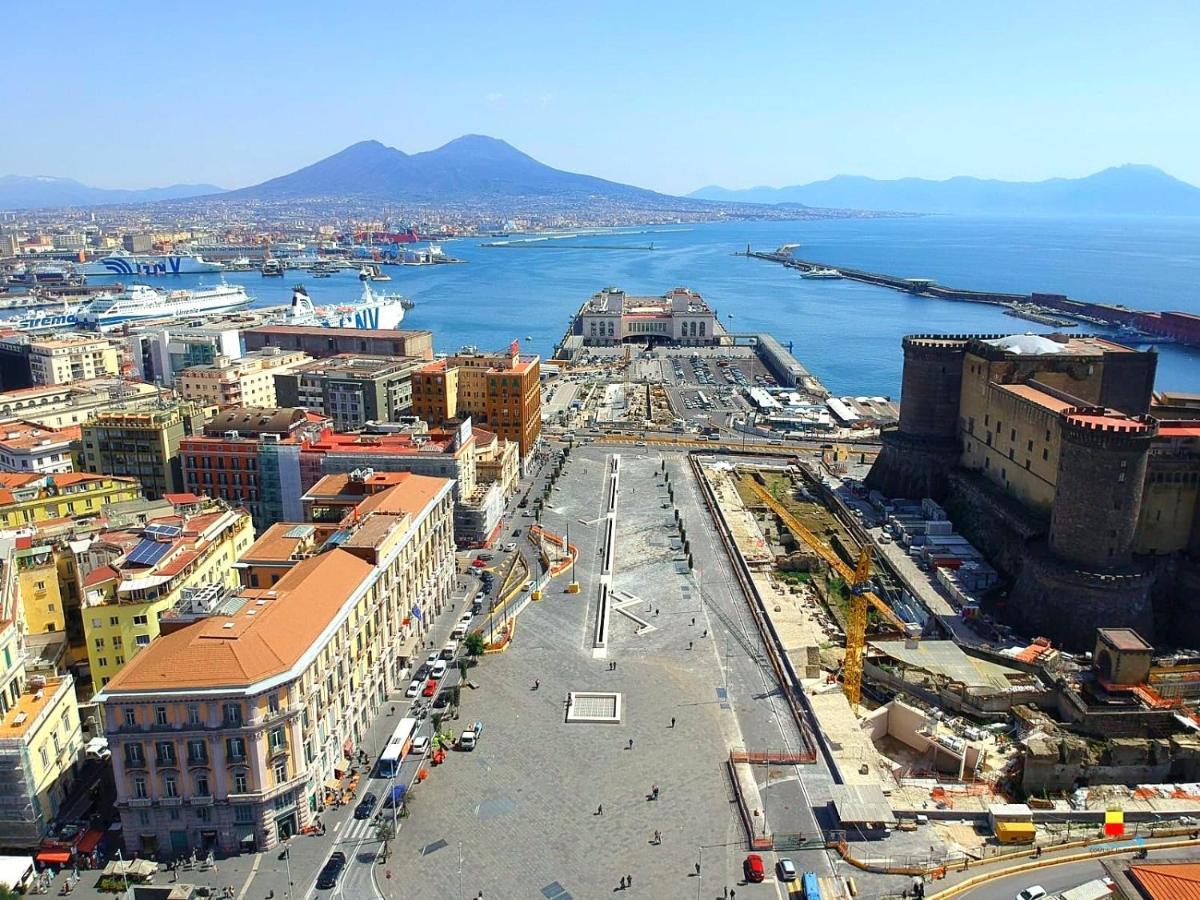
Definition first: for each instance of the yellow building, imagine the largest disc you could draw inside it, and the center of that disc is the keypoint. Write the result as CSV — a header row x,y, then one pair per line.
x,y
39,587
225,732
147,572
40,739
27,499
247,381
72,358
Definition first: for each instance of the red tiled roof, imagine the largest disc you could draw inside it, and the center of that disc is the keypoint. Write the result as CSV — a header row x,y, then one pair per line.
x,y
1168,881
100,576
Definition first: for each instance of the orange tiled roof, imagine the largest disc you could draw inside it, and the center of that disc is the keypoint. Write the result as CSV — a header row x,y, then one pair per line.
x,y
1168,881
256,642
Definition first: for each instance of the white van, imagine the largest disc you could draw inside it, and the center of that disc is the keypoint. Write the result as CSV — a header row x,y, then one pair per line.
x,y
449,650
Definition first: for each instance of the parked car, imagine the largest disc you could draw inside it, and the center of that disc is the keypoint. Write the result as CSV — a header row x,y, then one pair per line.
x,y
419,745
366,806
486,557
431,687
470,738
1033,892
414,688
440,701
331,870
438,670
753,868
787,870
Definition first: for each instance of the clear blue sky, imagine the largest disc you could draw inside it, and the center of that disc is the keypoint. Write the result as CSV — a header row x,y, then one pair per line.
x,y
667,94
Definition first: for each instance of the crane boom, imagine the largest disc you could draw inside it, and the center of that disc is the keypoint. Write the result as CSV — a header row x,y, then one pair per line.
x,y
860,598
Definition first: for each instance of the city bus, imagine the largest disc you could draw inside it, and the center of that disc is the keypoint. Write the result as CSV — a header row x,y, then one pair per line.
x,y
812,887
397,746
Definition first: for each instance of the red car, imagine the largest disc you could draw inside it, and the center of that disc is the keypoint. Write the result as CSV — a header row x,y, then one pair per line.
x,y
753,867
480,563
431,687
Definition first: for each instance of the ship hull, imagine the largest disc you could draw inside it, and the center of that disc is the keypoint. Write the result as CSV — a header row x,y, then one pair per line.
x,y
153,266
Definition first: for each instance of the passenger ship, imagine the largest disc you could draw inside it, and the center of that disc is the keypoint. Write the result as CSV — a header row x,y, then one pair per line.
x,y
123,263
383,311
141,301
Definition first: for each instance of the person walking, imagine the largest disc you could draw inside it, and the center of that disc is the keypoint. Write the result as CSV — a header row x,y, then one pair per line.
x,y
630,747
672,721
600,810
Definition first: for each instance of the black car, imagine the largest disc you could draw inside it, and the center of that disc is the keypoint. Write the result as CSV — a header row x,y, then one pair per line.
x,y
440,701
366,806
331,870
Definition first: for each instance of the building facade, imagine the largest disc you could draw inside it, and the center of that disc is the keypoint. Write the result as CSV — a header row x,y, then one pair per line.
x,y
28,499
143,443
680,317
26,361
147,571
226,732
320,342
248,380
29,447
501,392
351,390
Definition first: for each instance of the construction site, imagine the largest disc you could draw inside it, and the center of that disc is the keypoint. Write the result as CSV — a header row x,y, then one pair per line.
x,y
939,709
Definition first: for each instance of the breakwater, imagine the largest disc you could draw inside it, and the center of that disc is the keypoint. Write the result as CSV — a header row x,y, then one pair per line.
x,y
1176,327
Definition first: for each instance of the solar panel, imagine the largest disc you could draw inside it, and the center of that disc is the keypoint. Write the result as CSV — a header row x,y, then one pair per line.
x,y
162,531
147,552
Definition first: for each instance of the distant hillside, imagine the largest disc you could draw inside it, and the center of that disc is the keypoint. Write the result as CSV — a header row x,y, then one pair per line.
x,y
42,191
1123,190
469,169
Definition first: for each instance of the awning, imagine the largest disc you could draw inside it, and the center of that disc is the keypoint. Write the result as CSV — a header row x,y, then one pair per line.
x,y
53,857
333,784
89,841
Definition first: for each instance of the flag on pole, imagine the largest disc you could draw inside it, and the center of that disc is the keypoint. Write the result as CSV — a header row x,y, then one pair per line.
x,y
1114,822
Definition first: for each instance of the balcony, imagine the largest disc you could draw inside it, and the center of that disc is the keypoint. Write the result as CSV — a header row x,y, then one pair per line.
x,y
205,800
138,802
171,801
197,760
166,762
279,749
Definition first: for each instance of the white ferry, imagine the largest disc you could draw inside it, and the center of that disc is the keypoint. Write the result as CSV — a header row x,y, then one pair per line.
x,y
42,320
384,311
141,301
122,263
818,272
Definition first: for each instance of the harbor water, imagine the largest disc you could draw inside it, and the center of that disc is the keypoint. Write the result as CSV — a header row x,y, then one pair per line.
x,y
846,333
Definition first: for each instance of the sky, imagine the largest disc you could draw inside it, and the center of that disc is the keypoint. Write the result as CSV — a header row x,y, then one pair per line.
x,y
670,95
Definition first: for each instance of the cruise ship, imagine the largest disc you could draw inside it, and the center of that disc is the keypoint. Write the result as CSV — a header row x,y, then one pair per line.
x,y
42,320
141,301
123,263
373,310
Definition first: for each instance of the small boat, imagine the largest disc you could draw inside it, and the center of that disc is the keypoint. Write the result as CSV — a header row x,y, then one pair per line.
x,y
272,268
818,272
528,338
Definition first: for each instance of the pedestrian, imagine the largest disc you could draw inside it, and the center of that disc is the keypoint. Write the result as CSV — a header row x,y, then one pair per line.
x,y
732,893
689,645
705,633
672,721
725,893
693,620
629,881
656,610
654,791
697,868
600,810
630,744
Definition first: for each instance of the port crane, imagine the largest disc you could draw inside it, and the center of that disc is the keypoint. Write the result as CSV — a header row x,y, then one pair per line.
x,y
857,581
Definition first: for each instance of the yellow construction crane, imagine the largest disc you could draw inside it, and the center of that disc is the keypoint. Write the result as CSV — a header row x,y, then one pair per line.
x,y
856,581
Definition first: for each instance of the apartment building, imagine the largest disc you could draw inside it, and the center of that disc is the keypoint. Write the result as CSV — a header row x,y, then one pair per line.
x,y
248,380
27,360
40,738
499,391
141,572
350,389
251,457
27,499
30,447
226,731
143,443
319,342
61,405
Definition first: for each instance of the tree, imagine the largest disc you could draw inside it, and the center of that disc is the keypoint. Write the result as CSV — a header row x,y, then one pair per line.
x,y
384,832
463,665
436,719
475,645
455,696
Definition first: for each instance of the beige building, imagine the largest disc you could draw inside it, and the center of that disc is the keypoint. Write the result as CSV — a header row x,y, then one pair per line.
x,y
143,443
226,732
247,381
72,358
61,405
40,739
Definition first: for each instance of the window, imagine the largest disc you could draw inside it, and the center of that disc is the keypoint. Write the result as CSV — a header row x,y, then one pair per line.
x,y
45,757
102,661
197,751
273,703
96,623
140,620
240,783
164,753
143,640
281,771
117,642
233,714
1045,453
243,814
193,714
120,660
276,738
139,788
170,786
130,717
202,785
235,748
203,813
112,620
99,642
160,715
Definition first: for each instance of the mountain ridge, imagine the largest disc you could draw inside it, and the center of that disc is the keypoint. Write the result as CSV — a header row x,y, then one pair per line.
x,y
1130,189
49,191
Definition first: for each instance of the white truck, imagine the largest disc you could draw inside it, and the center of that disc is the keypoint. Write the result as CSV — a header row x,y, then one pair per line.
x,y
1096,889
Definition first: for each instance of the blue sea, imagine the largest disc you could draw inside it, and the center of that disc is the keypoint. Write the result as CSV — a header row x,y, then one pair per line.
x,y
847,334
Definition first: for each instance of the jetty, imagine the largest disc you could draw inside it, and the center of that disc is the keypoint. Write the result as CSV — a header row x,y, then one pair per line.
x,y
1167,327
